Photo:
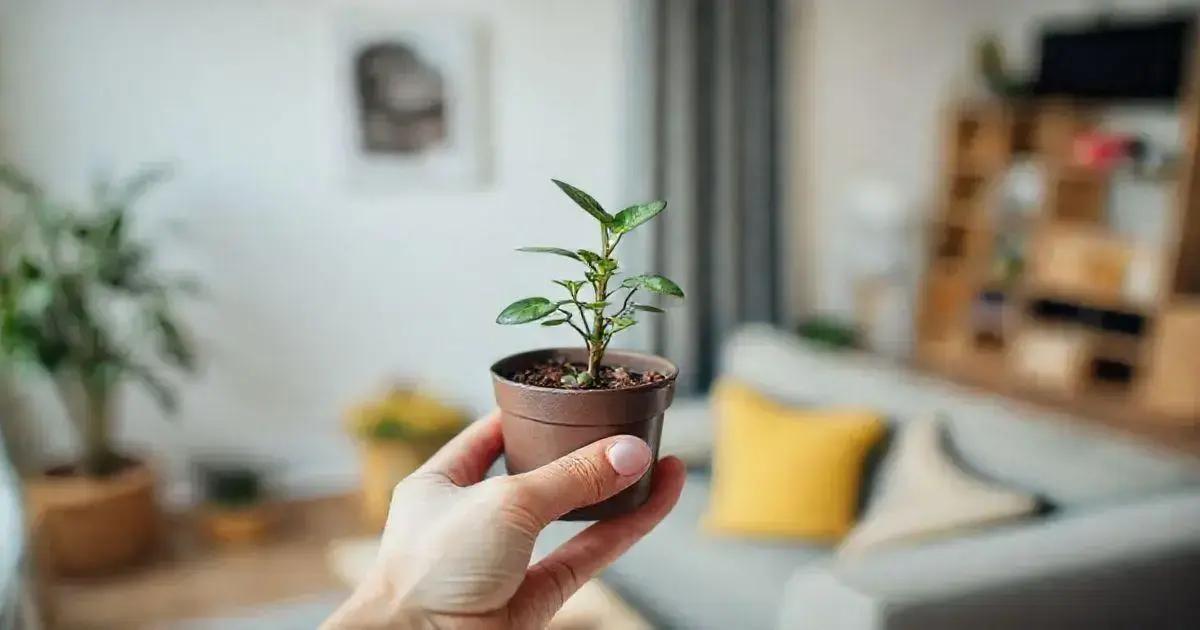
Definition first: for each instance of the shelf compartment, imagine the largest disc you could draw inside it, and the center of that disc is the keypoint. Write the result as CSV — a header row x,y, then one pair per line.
x,y
981,139
947,293
1173,386
1090,266
1055,128
1077,195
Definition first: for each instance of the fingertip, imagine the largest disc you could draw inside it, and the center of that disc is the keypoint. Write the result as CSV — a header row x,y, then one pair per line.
x,y
669,477
671,469
673,463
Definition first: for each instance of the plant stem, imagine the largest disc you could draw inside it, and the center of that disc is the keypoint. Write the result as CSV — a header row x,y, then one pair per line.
x,y
582,317
87,400
597,342
98,458
628,297
572,324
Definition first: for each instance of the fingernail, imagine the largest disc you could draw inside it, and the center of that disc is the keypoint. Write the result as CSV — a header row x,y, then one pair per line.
x,y
628,456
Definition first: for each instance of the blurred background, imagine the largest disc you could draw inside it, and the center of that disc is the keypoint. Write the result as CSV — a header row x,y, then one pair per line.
x,y
942,261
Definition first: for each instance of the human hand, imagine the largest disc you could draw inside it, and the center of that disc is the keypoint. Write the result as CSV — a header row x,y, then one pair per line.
x,y
456,549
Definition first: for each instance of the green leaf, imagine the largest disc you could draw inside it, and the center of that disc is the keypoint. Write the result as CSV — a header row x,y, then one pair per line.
x,y
526,310
636,215
33,300
585,201
589,257
555,322
647,308
655,283
621,323
129,191
172,343
159,389
14,180
550,250
572,286
596,304
30,270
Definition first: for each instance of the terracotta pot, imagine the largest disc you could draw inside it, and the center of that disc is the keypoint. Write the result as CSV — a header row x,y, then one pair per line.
x,y
236,527
94,526
385,464
541,424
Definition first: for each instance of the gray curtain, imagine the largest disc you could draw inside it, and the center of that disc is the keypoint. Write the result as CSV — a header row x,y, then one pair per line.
x,y
716,120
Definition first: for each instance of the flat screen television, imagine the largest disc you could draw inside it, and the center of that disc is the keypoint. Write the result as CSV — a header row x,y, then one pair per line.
x,y
1125,59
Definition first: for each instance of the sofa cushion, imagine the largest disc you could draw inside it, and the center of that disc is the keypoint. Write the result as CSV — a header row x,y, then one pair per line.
x,y
688,432
679,577
782,471
1068,462
927,495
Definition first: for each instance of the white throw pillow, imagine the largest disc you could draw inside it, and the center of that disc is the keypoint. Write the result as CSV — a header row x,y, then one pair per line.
x,y
926,495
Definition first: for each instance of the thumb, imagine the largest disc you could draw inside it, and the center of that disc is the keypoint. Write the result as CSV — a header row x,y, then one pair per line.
x,y
586,476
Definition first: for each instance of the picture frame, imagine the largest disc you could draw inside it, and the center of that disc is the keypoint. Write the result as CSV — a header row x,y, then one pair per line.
x,y
414,98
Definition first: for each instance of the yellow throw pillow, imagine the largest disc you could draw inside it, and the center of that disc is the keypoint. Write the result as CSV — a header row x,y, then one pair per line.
x,y
782,471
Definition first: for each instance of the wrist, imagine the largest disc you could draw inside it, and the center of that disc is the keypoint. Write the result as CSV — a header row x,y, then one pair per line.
x,y
378,602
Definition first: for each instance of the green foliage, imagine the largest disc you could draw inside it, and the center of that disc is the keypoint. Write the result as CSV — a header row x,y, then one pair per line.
x,y
829,331
585,201
231,486
634,216
81,300
655,283
550,250
596,318
525,311
991,67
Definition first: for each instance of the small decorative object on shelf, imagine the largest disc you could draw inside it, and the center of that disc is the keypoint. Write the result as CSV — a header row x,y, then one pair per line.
x,y
396,434
64,271
556,400
235,511
1101,150
991,66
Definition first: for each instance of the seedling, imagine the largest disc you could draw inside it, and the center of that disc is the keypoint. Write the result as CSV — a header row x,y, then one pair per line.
x,y
605,312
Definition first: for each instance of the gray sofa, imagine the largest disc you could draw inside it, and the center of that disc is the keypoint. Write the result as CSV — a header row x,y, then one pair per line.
x,y
1118,548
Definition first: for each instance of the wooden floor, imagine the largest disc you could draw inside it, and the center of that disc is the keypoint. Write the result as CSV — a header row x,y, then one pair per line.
x,y
193,579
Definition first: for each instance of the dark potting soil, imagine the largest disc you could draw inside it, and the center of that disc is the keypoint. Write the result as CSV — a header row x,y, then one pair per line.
x,y
551,373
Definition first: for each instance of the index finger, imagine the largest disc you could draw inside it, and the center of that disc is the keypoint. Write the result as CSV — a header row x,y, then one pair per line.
x,y
465,459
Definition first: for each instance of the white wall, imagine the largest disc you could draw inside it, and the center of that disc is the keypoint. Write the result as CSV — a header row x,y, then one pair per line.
x,y
867,81
317,294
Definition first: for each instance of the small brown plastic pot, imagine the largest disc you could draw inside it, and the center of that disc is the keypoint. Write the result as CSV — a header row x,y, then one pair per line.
x,y
541,424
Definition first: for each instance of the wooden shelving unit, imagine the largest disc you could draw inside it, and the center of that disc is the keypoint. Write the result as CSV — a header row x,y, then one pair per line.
x,y
1050,302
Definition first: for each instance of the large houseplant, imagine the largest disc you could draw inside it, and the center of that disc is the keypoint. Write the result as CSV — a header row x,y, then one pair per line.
x,y
82,303
556,400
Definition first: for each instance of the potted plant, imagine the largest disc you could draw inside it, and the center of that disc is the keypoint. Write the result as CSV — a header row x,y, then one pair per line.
x,y
81,301
396,433
555,400
235,511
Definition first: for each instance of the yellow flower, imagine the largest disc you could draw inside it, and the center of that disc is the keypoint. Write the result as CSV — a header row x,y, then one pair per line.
x,y
406,415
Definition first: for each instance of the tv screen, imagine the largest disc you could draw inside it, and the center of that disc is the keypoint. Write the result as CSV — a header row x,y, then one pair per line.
x,y
1120,60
